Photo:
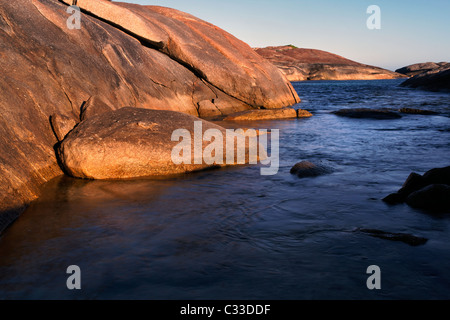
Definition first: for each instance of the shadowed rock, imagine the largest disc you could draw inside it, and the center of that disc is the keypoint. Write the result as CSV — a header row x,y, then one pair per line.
x,y
434,197
437,79
403,237
430,191
365,113
306,169
413,183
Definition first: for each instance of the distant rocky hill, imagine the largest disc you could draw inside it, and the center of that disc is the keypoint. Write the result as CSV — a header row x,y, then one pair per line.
x,y
418,68
299,64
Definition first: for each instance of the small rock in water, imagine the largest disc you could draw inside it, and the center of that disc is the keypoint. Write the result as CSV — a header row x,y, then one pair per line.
x,y
403,237
305,169
430,191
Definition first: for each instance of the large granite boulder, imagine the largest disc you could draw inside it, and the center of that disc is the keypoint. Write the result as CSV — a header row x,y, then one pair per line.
x,y
134,142
123,55
217,57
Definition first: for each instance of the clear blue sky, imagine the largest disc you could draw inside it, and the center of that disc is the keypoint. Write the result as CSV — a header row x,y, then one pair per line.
x,y
411,31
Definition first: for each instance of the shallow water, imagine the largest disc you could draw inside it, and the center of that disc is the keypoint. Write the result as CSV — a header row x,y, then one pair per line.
x,y
234,234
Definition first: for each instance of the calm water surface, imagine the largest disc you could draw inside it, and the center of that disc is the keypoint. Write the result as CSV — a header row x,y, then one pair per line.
x,y
233,234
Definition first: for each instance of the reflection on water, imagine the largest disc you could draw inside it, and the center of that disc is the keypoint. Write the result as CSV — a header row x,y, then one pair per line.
x,y
233,234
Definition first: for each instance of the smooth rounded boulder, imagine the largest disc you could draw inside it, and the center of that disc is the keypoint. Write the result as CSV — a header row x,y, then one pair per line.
x,y
134,142
430,191
306,169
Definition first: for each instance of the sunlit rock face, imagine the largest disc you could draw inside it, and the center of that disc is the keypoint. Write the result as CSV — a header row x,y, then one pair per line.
x,y
123,55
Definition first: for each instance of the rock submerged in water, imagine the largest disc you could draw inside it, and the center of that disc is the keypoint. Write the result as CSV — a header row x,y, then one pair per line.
x,y
366,113
417,111
403,237
380,114
429,192
306,169
133,142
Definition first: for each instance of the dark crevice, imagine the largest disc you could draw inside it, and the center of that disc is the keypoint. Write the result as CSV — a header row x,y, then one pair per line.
x,y
292,90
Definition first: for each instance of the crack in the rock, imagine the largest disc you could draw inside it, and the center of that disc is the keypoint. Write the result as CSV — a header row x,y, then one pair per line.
x,y
67,96
217,107
291,89
57,79
196,106
158,83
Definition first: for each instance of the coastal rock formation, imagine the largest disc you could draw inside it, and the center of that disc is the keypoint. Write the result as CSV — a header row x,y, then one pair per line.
x,y
366,113
430,191
269,114
299,64
418,68
134,142
437,79
306,169
221,60
123,55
